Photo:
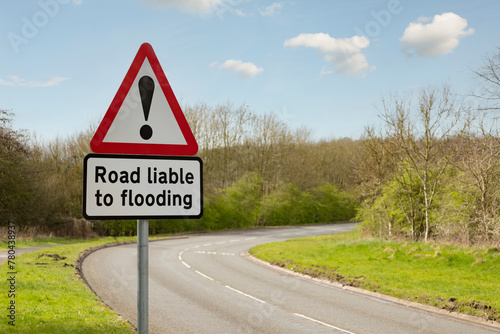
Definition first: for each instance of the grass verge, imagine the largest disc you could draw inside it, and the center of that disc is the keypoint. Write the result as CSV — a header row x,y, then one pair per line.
x,y
450,277
50,297
33,242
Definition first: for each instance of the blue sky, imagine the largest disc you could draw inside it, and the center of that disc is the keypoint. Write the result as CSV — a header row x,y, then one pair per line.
x,y
322,64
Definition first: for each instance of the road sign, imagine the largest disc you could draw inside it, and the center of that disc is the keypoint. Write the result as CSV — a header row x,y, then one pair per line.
x,y
143,124
144,116
142,187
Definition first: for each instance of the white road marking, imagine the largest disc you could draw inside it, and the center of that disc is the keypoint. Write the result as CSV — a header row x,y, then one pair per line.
x,y
241,292
246,295
323,323
182,261
214,253
202,274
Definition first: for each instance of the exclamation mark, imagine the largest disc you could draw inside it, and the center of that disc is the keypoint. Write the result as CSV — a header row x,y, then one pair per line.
x,y
146,89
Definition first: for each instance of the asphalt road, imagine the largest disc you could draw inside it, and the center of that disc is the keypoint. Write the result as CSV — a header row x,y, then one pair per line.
x,y
208,284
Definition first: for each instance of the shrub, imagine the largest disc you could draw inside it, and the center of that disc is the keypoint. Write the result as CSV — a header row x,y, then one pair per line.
x,y
333,204
235,207
287,206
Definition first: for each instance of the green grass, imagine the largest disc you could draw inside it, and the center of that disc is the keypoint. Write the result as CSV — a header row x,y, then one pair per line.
x,y
458,279
34,241
51,298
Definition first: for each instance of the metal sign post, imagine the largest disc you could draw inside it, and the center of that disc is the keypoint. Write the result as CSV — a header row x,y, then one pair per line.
x,y
142,188
142,270
137,173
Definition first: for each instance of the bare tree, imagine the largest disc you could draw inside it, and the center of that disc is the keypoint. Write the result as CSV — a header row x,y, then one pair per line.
x,y
488,92
420,137
479,160
373,171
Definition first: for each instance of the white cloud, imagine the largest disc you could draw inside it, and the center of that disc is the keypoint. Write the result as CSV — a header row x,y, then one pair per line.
x,y
201,7
15,81
435,38
77,2
344,53
271,9
244,69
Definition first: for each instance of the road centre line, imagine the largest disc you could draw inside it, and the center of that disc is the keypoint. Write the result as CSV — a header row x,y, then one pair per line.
x,y
323,323
227,286
210,278
202,274
250,296
246,295
214,253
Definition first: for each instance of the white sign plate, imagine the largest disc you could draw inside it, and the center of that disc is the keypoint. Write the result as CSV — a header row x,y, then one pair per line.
x,y
142,187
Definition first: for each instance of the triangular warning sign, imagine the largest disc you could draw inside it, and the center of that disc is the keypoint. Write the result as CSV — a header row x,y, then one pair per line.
x,y
144,116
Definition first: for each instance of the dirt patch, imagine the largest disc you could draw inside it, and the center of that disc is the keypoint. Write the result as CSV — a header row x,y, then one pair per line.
x,y
486,311
454,305
55,257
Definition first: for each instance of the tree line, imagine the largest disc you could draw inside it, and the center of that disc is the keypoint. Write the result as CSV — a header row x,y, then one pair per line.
x,y
430,170
257,171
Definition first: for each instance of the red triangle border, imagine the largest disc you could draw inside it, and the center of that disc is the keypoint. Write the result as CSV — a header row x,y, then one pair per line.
x,y
98,146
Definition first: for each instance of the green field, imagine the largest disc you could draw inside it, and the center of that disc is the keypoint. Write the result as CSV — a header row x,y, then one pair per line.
x,y
50,297
454,278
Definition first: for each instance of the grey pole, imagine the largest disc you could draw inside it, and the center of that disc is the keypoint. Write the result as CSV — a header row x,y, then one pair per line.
x,y
142,270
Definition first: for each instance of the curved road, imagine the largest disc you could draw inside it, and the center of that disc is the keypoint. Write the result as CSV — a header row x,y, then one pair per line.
x,y
207,284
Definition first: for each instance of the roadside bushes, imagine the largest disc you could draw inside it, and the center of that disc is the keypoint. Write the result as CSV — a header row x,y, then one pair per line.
x,y
287,206
234,207
333,204
243,205
290,206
